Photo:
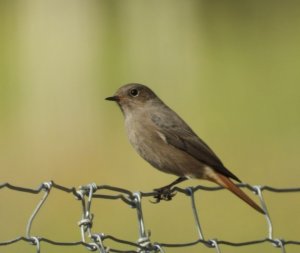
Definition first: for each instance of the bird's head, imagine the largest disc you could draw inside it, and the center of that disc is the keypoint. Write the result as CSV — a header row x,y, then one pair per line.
x,y
133,96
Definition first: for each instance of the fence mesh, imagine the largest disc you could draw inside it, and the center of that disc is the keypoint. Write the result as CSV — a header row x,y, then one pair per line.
x,y
99,242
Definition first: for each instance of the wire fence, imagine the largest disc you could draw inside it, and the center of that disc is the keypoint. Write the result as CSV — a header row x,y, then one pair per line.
x,y
99,242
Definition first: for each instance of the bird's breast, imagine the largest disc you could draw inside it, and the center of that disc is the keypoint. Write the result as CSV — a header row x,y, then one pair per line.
x,y
152,145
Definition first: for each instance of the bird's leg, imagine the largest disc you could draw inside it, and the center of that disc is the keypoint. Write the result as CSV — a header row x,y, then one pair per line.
x,y
165,192
177,181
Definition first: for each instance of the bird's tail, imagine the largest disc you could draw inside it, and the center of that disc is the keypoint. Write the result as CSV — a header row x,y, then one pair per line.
x,y
228,184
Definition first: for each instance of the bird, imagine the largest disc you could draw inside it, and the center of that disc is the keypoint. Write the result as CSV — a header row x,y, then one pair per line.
x,y
167,142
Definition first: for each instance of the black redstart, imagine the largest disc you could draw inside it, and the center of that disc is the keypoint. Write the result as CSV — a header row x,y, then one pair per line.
x,y
163,139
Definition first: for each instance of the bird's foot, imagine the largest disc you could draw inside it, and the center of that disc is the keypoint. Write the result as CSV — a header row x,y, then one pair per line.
x,y
164,193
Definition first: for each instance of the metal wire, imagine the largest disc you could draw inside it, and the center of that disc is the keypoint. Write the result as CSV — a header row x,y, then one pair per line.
x,y
99,241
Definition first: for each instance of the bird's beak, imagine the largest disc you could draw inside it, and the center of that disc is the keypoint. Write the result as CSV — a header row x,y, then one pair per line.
x,y
113,98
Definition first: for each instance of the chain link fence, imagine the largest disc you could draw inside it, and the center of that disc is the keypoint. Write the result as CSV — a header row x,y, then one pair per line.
x,y
99,242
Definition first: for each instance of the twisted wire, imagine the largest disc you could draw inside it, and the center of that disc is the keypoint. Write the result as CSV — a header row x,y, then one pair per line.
x,y
100,242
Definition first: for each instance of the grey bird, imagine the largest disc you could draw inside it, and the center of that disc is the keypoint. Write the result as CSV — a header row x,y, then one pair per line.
x,y
163,139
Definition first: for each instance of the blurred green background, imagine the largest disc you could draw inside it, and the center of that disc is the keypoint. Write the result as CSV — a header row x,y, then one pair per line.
x,y
229,68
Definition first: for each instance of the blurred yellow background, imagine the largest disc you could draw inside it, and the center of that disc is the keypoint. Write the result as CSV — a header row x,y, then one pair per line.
x,y
229,68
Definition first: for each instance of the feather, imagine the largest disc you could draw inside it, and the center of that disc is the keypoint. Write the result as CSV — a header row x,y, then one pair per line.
x,y
185,139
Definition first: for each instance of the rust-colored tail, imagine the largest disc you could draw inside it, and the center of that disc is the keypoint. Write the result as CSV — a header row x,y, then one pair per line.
x,y
228,184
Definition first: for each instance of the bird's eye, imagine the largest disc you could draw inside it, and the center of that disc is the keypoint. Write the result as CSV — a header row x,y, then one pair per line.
x,y
134,92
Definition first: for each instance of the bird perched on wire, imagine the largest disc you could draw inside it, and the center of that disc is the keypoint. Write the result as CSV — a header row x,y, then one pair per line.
x,y
163,139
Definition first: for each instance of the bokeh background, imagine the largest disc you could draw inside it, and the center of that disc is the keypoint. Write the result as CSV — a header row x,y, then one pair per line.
x,y
229,68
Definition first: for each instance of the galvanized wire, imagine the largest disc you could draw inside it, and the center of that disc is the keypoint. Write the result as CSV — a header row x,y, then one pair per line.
x,y
100,242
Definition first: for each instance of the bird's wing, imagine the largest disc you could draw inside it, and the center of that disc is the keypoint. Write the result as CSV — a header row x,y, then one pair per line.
x,y
178,134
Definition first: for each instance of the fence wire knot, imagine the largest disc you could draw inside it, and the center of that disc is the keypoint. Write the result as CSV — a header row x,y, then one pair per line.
x,y
158,248
35,241
86,221
214,244
99,241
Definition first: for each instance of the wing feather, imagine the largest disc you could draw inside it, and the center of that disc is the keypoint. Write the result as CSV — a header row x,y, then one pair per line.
x,y
178,134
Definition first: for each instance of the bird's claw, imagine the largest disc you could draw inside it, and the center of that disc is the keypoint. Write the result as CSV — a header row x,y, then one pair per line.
x,y
164,193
